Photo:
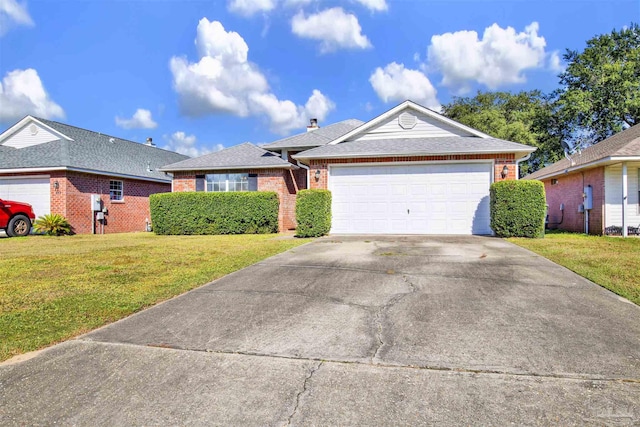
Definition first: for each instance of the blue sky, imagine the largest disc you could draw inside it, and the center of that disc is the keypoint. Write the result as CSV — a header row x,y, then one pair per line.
x,y
201,75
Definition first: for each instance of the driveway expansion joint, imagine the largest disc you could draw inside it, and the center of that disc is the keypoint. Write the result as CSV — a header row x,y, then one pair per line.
x,y
305,385
380,364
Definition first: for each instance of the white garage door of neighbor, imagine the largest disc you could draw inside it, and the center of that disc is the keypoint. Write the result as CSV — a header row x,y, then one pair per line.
x,y
32,190
448,198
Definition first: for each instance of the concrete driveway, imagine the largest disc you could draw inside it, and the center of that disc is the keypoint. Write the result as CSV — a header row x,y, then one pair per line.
x,y
354,330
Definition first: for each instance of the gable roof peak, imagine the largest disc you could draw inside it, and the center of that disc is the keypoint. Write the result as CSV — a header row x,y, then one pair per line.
x,y
397,110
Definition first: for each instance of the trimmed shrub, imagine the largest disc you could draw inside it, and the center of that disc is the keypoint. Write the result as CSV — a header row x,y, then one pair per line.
x,y
518,208
313,213
252,212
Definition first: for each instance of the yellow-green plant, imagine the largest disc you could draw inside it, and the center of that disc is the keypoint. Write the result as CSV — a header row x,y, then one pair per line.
x,y
52,225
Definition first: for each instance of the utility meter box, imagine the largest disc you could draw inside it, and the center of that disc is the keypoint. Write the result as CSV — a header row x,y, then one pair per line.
x,y
100,216
95,202
588,197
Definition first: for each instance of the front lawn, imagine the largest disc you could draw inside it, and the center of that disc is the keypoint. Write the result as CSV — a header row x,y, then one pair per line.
x,y
611,262
54,288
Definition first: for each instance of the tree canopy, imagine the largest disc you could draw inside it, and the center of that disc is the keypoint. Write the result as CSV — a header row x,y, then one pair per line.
x,y
524,117
601,86
599,96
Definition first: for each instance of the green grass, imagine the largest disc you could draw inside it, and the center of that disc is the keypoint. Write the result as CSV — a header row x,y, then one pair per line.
x,y
611,262
54,288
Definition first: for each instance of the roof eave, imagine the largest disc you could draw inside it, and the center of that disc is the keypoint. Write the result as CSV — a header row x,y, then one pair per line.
x,y
83,170
301,156
600,162
213,168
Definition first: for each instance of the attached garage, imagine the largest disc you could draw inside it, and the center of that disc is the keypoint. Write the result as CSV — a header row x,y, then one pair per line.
x,y
34,190
412,171
435,198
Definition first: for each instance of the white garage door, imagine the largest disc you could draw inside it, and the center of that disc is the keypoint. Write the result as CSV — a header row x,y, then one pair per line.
x,y
413,199
32,190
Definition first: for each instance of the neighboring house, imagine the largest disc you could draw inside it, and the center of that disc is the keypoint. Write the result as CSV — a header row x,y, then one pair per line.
x,y
407,171
56,168
610,171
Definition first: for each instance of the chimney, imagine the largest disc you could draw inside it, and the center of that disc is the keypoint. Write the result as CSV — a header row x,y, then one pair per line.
x,y
313,126
150,142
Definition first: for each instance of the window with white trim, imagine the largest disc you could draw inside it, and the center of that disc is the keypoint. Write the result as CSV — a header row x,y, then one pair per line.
x,y
116,190
231,182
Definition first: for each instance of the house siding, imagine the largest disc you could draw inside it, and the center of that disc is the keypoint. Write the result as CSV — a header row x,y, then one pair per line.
x,y
501,160
569,190
425,127
613,195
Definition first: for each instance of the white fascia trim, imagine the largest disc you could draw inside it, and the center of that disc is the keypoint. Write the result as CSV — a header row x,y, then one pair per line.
x,y
90,171
596,163
373,155
9,132
412,105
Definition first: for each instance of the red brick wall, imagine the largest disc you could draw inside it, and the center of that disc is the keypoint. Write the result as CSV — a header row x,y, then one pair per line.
x,y
568,190
73,200
184,181
500,161
278,180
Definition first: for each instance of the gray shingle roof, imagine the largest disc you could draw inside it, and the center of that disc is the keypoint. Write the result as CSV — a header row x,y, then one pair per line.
x,y
243,156
315,138
622,144
91,151
415,146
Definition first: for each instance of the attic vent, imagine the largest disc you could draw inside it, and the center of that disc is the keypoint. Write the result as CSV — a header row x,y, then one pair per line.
x,y
33,129
407,121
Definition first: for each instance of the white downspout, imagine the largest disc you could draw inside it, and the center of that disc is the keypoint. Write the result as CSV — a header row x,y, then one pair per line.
x,y
624,199
308,172
524,159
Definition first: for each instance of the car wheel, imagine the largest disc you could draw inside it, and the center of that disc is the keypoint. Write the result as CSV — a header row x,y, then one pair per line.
x,y
19,225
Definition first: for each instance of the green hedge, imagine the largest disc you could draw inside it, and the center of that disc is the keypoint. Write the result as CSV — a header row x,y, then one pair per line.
x,y
249,212
518,208
313,213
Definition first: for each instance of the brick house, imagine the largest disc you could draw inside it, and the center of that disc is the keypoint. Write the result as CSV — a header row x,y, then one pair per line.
x,y
608,173
407,171
56,168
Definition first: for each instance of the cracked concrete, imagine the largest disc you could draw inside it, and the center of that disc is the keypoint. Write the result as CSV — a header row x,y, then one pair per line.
x,y
354,330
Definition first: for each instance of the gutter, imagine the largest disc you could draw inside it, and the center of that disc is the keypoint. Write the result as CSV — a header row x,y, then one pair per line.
x,y
308,171
595,163
409,154
90,171
524,159
226,168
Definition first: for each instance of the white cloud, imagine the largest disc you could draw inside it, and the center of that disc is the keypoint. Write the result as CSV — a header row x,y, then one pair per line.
x,y
333,27
185,144
375,5
397,83
499,58
141,120
22,93
251,7
224,81
12,14
555,62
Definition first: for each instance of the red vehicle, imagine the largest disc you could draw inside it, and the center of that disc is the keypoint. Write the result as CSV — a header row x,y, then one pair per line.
x,y
16,217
